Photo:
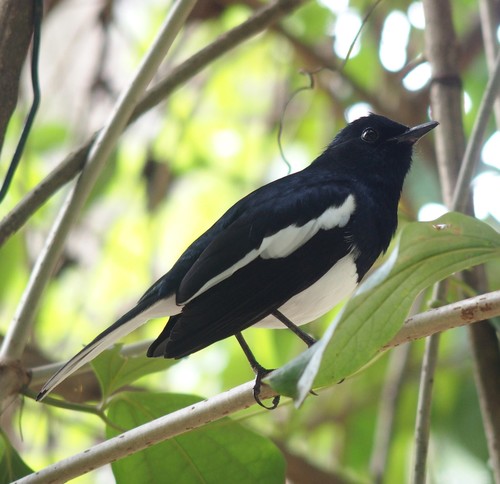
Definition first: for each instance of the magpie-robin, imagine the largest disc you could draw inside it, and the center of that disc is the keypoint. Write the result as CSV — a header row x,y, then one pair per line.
x,y
283,255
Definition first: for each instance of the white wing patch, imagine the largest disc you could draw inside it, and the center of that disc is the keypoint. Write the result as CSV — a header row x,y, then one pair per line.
x,y
287,240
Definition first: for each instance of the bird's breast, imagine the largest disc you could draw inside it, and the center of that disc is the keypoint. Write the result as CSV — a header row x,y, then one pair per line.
x,y
336,285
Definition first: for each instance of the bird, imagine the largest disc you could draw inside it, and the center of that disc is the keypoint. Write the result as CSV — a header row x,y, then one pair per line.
x,y
283,255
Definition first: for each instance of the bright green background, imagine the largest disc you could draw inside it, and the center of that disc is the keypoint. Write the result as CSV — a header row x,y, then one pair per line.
x,y
174,172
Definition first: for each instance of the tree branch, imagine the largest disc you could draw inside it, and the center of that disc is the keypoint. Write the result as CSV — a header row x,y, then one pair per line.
x,y
74,162
144,436
471,310
387,411
483,337
446,103
16,27
490,18
241,397
18,331
446,93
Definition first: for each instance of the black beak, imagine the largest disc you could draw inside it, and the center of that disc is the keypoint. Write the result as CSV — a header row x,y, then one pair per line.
x,y
415,133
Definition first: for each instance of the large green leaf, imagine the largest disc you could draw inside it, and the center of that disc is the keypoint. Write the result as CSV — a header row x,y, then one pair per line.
x,y
12,467
426,253
223,451
114,371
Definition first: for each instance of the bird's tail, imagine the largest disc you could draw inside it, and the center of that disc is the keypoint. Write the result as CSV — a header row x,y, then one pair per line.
x,y
137,316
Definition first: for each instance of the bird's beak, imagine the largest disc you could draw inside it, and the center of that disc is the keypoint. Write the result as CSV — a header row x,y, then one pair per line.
x,y
415,133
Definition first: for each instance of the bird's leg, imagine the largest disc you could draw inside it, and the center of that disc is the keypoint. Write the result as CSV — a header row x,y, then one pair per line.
x,y
260,373
308,340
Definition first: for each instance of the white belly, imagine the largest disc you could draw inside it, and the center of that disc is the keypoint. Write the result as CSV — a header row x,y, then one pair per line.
x,y
337,284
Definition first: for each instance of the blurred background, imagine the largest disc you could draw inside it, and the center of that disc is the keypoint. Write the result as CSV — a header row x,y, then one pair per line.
x,y
181,165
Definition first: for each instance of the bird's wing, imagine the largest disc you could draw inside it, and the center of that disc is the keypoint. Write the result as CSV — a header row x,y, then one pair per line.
x,y
158,301
249,295
255,265
271,230
214,257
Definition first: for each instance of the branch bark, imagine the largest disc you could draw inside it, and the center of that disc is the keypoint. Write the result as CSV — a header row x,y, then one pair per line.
x,y
490,18
446,103
486,358
16,27
446,93
387,411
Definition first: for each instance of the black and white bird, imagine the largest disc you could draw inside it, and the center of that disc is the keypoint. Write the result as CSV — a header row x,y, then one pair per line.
x,y
283,255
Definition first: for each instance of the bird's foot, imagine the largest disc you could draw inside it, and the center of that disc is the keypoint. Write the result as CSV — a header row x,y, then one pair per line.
x,y
309,341
261,373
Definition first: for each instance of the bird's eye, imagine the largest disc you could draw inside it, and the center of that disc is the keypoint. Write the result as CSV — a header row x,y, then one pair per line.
x,y
369,135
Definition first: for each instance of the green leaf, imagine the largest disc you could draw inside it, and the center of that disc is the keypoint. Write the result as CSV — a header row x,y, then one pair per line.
x,y
425,254
12,467
114,371
223,451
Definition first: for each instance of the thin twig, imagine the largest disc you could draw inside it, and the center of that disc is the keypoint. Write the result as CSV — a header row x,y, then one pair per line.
x,y
388,403
358,33
76,407
423,423
308,87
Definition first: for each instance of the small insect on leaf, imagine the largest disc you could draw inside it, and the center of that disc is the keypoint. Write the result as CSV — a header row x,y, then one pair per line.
x,y
441,226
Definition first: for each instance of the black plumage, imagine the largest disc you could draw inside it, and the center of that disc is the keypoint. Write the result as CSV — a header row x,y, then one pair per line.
x,y
291,249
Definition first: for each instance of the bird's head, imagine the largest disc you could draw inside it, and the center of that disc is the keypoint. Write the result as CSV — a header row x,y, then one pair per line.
x,y
376,143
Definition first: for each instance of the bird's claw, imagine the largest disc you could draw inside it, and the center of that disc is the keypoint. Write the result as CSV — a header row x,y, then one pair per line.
x,y
260,373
